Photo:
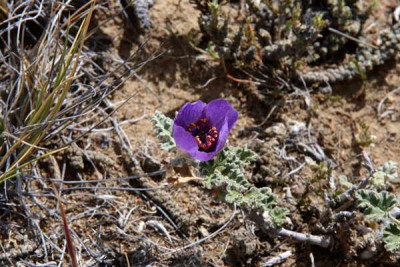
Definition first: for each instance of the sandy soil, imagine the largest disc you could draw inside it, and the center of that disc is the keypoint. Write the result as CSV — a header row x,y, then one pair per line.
x,y
145,227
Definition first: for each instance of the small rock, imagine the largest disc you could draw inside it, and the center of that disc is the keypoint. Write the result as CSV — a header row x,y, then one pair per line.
x,y
295,127
278,129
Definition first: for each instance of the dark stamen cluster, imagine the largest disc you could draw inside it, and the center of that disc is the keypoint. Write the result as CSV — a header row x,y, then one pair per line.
x,y
205,135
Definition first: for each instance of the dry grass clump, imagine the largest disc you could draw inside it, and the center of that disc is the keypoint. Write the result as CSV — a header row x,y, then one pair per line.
x,y
53,92
38,95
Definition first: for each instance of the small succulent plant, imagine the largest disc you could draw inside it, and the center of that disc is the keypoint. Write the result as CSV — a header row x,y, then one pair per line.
x,y
202,130
296,39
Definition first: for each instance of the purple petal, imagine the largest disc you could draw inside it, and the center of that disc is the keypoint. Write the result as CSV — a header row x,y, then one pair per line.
x,y
184,140
190,112
187,143
220,114
223,136
203,156
219,109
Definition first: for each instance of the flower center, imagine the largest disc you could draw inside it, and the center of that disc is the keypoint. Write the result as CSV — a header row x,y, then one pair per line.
x,y
205,135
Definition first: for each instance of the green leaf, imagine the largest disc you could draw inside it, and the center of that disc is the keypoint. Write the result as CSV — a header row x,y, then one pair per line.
x,y
391,237
233,196
163,127
259,198
244,155
345,182
278,215
390,170
217,179
376,205
378,179
226,171
387,171
264,199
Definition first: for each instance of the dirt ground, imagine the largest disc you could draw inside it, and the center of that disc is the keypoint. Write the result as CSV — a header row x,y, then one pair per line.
x,y
152,223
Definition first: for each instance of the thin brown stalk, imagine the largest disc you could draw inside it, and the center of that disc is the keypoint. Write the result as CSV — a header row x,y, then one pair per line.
x,y
67,232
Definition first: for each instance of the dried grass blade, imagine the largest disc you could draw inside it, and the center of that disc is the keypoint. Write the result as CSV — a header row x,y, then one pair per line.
x,y
67,232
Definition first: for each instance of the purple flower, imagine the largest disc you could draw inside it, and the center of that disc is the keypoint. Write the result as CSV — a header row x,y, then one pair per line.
x,y
202,129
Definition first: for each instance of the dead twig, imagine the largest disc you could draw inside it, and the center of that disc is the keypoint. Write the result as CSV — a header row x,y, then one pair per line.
x,y
382,114
278,259
70,244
